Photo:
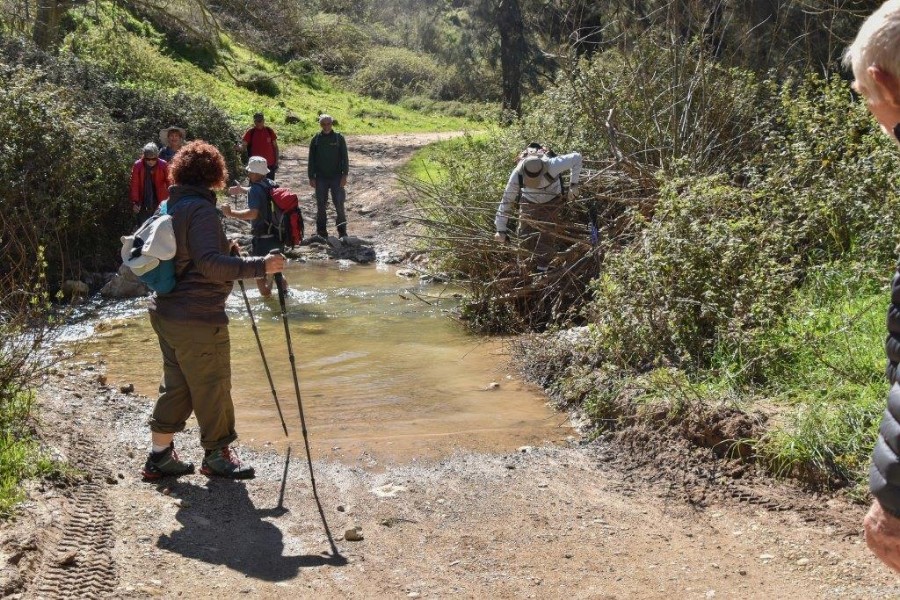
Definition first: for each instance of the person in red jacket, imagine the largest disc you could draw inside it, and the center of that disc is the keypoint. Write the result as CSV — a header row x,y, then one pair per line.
x,y
149,183
261,140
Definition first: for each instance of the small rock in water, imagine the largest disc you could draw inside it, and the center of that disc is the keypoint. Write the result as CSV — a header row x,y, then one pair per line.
x,y
354,534
406,273
127,388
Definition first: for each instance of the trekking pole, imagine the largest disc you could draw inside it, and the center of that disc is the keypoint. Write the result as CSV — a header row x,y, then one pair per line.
x,y
282,291
337,559
263,355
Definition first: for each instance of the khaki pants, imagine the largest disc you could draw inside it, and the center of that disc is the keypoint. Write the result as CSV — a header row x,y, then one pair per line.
x,y
196,378
537,229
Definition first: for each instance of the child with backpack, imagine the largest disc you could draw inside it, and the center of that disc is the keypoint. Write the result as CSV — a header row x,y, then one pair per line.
x,y
274,212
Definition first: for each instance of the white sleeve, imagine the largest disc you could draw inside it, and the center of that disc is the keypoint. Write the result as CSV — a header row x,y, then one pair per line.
x,y
560,163
504,211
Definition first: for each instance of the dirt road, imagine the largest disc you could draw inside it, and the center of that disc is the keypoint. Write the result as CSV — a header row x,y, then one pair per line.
x,y
589,520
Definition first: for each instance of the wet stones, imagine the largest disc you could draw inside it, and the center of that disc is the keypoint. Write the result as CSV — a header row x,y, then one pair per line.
x,y
124,285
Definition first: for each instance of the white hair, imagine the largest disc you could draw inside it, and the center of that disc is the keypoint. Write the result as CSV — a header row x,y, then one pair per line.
x,y
877,43
324,117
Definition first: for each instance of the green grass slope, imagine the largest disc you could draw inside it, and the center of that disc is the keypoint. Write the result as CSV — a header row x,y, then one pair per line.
x,y
137,53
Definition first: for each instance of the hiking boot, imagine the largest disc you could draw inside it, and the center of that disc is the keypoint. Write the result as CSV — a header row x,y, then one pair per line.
x,y
223,462
165,464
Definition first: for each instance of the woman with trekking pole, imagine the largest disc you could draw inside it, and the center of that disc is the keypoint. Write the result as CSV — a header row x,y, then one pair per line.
x,y
191,323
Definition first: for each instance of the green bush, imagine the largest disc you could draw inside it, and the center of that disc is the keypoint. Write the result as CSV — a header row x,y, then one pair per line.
x,y
392,73
65,173
339,44
716,263
672,108
72,135
259,82
709,267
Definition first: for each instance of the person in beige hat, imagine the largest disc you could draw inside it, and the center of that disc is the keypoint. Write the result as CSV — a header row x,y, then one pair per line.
x,y
172,139
536,183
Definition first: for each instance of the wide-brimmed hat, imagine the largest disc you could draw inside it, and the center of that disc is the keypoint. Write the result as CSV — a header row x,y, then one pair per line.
x,y
152,242
532,170
258,165
164,133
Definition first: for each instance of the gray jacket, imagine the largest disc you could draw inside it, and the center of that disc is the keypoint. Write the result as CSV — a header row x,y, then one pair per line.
x,y
204,270
884,475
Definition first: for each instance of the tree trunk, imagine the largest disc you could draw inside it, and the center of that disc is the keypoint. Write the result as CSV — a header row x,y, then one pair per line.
x,y
512,53
46,22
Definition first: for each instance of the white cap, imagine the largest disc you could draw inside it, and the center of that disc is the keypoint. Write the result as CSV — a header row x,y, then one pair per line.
x,y
258,165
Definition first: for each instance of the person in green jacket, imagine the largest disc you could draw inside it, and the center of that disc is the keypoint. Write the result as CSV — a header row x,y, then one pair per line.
x,y
328,168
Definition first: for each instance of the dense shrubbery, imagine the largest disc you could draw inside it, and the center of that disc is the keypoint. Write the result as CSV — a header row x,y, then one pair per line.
x,y
72,134
734,213
715,266
392,73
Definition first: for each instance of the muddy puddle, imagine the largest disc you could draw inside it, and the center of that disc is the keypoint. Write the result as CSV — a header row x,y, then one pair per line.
x,y
386,377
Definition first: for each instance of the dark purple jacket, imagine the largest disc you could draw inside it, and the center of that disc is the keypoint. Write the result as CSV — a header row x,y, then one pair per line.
x,y
204,270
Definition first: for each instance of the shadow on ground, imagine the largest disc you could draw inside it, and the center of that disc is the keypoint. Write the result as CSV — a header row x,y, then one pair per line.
x,y
221,526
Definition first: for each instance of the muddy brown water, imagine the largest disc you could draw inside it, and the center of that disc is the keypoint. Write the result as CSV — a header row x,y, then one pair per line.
x,y
385,377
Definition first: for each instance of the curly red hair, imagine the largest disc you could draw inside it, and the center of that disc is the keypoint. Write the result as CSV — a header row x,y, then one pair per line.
x,y
199,163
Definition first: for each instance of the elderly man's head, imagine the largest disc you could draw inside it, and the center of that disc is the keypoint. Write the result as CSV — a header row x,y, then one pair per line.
x,y
150,153
326,122
874,57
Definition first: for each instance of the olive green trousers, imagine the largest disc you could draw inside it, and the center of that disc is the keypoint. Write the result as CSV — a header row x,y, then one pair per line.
x,y
196,378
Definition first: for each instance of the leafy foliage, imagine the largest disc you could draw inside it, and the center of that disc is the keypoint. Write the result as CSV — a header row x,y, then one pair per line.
x,y
392,73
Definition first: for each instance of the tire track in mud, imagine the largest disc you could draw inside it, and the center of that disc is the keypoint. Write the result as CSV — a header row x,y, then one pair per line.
x,y
78,561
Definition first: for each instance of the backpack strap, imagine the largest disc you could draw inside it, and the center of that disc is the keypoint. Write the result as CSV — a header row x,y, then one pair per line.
x,y
269,209
521,185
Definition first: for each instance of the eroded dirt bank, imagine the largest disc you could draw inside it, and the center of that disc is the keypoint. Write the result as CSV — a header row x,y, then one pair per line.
x,y
598,520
